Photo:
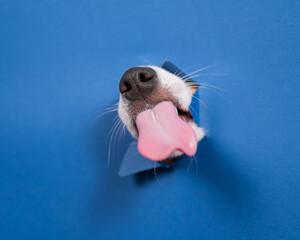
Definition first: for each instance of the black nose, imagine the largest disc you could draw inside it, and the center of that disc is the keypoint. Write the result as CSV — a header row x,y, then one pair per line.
x,y
137,83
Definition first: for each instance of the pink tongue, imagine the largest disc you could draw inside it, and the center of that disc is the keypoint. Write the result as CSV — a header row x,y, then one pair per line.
x,y
161,131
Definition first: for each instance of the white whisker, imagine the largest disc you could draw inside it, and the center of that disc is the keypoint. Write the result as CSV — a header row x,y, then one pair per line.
x,y
118,133
104,113
208,74
177,74
111,138
107,110
204,75
124,129
203,103
212,90
155,173
180,71
213,86
199,70
193,110
196,164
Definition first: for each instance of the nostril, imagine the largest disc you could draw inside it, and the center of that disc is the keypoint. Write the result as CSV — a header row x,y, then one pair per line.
x,y
125,86
144,77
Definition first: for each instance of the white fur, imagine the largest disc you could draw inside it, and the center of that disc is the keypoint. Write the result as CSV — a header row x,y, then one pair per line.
x,y
124,116
175,85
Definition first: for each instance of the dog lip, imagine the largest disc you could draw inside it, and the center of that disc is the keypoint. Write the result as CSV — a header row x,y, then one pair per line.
x,y
185,115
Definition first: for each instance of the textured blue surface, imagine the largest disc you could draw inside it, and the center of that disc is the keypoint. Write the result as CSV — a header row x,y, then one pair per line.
x,y
60,63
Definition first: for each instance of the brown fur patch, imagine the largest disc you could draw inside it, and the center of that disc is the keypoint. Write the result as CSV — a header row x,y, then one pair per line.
x,y
158,95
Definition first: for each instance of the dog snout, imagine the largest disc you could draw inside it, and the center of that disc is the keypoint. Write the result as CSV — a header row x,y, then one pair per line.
x,y
137,83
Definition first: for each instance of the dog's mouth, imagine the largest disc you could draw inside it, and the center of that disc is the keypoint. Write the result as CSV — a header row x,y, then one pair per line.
x,y
184,115
165,129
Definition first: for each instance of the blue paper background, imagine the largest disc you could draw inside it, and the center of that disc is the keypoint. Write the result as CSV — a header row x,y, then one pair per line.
x,y
60,63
